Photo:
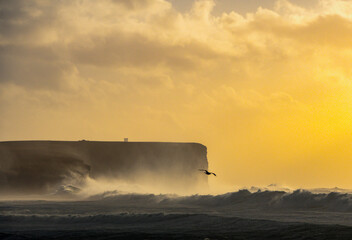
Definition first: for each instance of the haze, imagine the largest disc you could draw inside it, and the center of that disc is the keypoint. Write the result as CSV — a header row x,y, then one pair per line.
x,y
265,85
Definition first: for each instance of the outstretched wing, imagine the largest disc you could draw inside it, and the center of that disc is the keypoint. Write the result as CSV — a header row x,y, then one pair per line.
x,y
213,174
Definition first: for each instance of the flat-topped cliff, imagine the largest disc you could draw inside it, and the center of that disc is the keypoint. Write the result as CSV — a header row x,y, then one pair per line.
x,y
43,166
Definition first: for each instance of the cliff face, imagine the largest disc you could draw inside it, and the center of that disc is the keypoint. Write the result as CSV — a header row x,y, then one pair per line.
x,y
42,166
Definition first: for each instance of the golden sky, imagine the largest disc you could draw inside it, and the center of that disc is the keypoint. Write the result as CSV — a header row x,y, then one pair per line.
x,y
265,85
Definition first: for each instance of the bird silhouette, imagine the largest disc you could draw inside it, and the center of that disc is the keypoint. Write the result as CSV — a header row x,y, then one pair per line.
x,y
207,172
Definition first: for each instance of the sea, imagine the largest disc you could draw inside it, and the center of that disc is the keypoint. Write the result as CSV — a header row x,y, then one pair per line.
x,y
253,213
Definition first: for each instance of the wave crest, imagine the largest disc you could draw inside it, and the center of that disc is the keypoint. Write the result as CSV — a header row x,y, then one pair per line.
x,y
297,200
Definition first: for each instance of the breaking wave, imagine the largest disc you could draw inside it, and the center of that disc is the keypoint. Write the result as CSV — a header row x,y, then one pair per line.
x,y
230,213
280,200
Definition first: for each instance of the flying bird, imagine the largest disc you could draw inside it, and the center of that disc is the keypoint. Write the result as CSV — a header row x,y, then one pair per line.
x,y
206,172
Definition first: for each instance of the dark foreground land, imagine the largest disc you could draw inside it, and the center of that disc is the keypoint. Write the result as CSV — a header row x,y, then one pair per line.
x,y
162,226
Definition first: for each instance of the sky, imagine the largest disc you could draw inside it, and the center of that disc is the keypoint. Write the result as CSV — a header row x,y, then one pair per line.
x,y
265,85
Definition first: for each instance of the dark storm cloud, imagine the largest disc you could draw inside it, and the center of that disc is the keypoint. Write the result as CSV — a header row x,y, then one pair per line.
x,y
332,30
121,49
25,58
44,43
24,20
41,48
32,66
134,4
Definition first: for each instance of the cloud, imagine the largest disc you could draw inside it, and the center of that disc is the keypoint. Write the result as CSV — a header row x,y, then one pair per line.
x,y
134,50
136,4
